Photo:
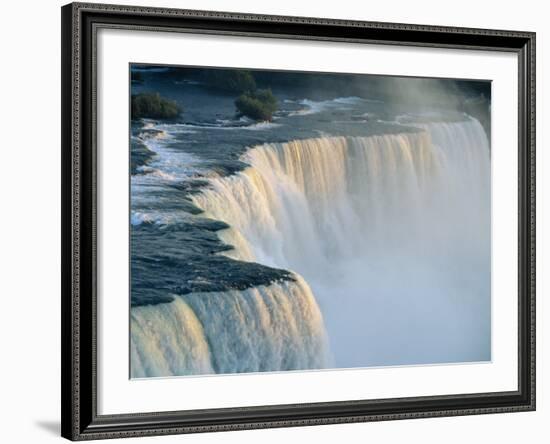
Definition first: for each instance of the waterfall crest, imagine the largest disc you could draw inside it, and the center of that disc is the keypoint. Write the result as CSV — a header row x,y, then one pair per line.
x,y
304,202
265,328
392,232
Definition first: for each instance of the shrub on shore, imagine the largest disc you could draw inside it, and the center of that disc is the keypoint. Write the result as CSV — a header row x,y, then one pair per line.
x,y
153,106
258,105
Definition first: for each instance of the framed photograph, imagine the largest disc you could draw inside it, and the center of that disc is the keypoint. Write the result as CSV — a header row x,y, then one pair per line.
x,y
281,221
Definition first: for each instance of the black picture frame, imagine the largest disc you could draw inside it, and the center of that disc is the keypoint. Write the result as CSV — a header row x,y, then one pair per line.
x,y
80,22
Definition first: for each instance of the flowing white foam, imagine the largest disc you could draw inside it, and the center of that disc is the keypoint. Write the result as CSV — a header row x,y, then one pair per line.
x,y
159,217
314,106
224,125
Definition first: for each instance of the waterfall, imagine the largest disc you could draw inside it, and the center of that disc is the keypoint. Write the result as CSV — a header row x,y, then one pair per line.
x,y
391,231
266,328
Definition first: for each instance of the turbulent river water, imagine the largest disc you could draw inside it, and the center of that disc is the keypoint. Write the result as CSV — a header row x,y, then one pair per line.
x,y
335,236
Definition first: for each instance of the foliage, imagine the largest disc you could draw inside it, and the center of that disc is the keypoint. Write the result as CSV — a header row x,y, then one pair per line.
x,y
153,106
235,81
258,105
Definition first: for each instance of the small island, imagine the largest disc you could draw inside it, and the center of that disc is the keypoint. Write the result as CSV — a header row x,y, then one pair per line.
x,y
254,103
257,105
153,106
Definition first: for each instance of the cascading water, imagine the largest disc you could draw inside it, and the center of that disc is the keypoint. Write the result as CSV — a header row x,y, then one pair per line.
x,y
392,233
349,231
266,328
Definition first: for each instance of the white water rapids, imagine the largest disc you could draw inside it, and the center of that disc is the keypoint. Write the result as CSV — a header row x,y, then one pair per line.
x,y
392,234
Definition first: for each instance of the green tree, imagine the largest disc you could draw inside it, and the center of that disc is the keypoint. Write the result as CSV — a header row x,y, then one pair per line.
x,y
258,105
153,106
